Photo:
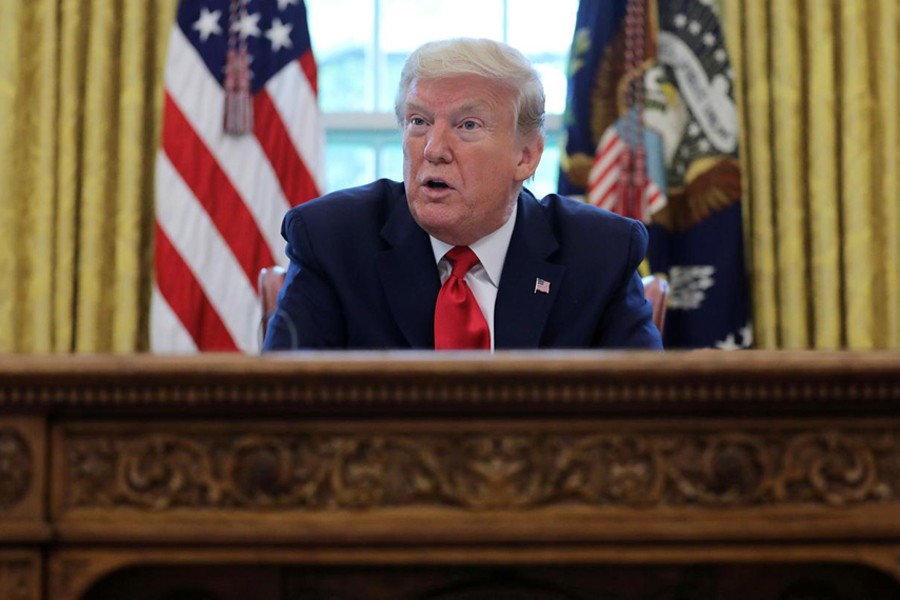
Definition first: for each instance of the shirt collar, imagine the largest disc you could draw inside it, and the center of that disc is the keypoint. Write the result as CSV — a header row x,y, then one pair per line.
x,y
490,250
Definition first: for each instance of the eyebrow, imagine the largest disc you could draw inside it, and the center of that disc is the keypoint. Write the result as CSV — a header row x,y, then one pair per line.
x,y
413,107
471,107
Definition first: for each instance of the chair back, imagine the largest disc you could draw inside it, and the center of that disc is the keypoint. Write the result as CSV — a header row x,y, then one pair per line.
x,y
656,291
269,284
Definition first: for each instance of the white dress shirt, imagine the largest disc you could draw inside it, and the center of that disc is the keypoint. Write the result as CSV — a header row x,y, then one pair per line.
x,y
483,278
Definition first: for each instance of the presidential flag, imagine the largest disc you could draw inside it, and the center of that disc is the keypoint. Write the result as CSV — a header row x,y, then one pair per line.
x,y
590,102
655,78
241,144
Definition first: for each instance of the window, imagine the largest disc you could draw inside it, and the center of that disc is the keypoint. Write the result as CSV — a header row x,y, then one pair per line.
x,y
360,47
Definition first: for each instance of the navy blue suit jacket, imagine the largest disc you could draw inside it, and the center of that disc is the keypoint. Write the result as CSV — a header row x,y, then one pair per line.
x,y
363,276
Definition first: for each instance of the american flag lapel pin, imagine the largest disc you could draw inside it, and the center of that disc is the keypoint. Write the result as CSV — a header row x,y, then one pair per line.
x,y
542,286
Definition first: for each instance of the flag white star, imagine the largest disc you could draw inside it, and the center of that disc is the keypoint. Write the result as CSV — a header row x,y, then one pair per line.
x,y
283,4
728,343
279,34
208,23
248,25
711,5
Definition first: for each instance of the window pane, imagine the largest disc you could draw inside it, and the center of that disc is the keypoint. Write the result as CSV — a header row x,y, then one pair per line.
x,y
539,27
547,174
344,53
544,35
390,161
404,25
348,163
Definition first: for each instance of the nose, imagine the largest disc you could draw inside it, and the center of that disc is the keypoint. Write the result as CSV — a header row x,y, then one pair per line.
x,y
437,148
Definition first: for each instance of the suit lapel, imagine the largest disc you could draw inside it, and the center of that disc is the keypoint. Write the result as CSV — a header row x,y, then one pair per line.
x,y
522,309
409,275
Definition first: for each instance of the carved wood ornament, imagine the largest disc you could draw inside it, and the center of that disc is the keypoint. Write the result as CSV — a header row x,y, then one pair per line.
x,y
247,470
15,467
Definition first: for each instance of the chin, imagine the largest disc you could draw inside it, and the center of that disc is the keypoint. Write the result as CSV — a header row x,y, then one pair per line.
x,y
441,226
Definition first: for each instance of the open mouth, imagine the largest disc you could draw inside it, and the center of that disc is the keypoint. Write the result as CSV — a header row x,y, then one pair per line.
x,y
437,184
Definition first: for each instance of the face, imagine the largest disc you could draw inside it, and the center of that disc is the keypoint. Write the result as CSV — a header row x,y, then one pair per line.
x,y
463,159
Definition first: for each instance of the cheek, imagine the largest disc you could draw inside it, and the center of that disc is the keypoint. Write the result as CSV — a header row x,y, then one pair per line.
x,y
489,171
409,157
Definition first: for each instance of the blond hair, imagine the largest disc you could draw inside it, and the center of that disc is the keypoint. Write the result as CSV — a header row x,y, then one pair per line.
x,y
486,58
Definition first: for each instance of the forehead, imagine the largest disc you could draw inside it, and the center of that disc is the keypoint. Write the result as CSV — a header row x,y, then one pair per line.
x,y
459,92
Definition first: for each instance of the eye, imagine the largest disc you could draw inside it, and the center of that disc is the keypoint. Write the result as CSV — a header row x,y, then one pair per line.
x,y
416,121
470,125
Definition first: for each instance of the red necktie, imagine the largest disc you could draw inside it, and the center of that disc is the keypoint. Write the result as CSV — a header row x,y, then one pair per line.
x,y
458,321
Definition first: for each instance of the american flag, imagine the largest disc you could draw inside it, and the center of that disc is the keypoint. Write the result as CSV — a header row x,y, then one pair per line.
x,y
225,177
605,180
541,285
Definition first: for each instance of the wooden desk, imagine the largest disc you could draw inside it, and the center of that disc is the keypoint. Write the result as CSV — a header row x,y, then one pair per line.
x,y
392,458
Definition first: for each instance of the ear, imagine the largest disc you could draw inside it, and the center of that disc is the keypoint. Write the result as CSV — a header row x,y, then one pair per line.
x,y
530,156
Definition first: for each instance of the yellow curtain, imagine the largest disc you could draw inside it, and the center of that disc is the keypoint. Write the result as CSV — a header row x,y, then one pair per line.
x,y
80,97
818,92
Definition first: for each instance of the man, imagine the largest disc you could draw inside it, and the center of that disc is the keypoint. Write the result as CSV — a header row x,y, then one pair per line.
x,y
460,255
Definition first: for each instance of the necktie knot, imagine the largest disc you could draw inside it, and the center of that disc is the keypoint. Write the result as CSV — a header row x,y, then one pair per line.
x,y
462,259
458,320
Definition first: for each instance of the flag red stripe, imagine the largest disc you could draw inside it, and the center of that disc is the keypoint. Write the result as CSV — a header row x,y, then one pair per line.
x,y
608,148
308,65
186,298
602,200
269,128
610,142
613,165
604,174
212,188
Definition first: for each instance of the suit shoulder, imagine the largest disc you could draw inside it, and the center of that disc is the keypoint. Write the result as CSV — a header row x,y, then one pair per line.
x,y
365,204
569,214
592,239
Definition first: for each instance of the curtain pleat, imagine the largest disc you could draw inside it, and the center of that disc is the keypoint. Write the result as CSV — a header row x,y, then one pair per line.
x,y
790,209
70,88
28,112
99,179
887,84
758,172
856,160
822,174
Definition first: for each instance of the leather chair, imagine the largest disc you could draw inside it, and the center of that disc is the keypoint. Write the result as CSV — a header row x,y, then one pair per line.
x,y
269,284
656,290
